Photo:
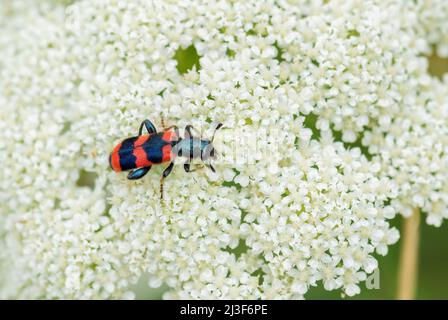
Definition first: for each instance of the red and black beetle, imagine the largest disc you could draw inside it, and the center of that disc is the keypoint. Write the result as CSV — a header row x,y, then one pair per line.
x,y
138,154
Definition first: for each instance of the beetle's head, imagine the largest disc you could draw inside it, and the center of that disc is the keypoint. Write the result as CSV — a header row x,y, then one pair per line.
x,y
208,151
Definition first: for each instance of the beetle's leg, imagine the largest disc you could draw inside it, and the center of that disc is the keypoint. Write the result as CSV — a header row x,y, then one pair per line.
x,y
187,167
138,173
168,170
188,133
209,165
149,126
165,174
161,188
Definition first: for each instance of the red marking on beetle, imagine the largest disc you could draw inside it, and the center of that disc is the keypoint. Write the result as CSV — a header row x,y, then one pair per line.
x,y
115,158
139,153
169,136
167,156
141,140
141,158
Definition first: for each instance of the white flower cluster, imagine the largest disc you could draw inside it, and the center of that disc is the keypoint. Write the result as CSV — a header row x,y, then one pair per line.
x,y
414,151
432,21
412,140
76,80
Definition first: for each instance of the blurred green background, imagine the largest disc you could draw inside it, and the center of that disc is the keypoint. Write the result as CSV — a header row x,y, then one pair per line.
x,y
432,280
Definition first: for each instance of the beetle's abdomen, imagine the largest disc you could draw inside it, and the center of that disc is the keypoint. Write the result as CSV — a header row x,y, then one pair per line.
x,y
142,151
125,154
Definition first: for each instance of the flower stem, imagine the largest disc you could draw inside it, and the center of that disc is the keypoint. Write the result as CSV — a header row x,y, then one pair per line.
x,y
407,274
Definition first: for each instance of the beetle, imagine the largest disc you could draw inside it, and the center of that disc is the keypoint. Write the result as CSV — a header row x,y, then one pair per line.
x,y
138,154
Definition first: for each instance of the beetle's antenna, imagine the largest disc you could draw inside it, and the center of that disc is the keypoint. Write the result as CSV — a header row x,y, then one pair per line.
x,y
216,129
